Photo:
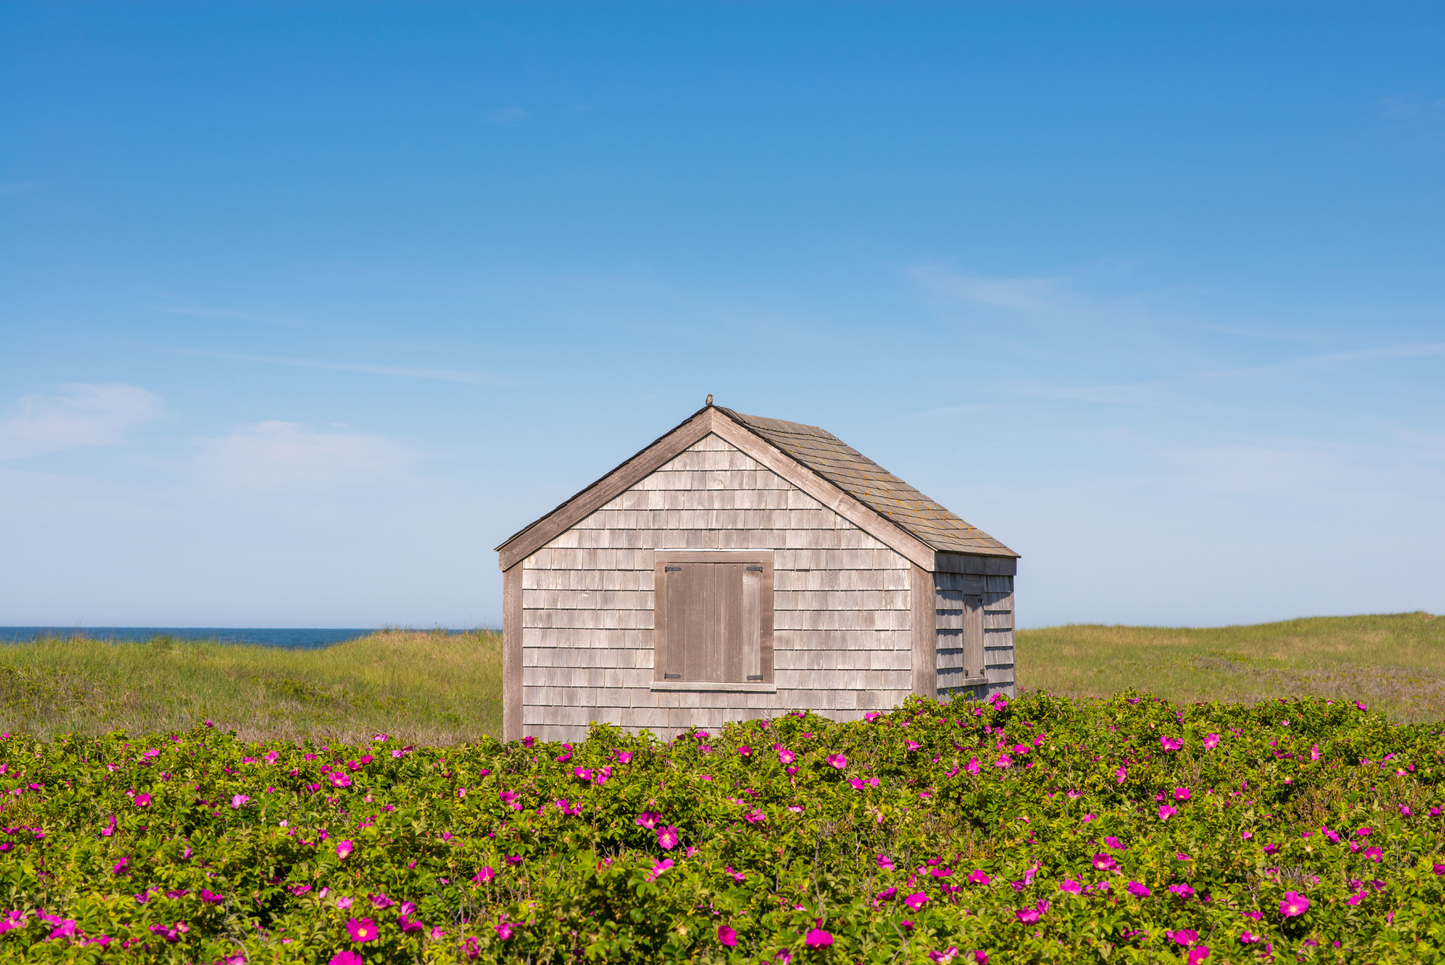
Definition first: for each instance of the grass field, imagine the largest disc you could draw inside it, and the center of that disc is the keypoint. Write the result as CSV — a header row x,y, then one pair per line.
x,y
1393,663
438,688
431,688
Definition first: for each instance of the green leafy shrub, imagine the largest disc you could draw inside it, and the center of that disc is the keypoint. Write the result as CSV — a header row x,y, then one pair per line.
x,y
1039,830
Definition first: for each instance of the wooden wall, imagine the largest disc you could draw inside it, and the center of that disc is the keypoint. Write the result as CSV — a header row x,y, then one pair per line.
x,y
974,611
842,642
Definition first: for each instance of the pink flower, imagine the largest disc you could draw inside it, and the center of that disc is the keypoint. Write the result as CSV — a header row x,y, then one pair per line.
x,y
361,930
211,898
912,745
916,901
1115,843
1315,752
1184,936
1294,904
142,800
1211,741
1171,743
1181,794
1183,891
1247,937
239,801
343,903
344,957
1167,811
980,957
484,876
505,930
624,757
884,862
1071,886
667,838
648,819
753,816
818,938
379,900
977,877
1137,890
1198,954
1121,775
786,756
1104,862
737,876
343,849
726,936
840,762
658,867
1028,916
744,750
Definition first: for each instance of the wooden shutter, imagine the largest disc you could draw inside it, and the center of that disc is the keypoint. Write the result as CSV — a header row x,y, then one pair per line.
x,y
959,622
713,618
973,634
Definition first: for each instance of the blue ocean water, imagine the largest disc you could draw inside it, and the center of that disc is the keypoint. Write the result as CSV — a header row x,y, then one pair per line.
x,y
286,637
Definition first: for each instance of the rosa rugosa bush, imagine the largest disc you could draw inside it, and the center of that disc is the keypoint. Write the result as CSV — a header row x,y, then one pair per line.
x,y
1034,830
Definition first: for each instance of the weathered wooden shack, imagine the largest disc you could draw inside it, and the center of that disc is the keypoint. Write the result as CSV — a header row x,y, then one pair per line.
x,y
742,567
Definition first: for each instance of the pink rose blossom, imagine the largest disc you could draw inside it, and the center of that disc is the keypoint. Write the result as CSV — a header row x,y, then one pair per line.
x,y
361,930
1294,904
818,938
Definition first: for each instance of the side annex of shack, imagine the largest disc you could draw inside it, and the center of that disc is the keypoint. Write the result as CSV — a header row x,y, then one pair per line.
x,y
742,567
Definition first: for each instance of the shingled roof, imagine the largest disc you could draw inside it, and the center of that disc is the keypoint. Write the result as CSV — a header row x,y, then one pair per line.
x,y
810,453
872,485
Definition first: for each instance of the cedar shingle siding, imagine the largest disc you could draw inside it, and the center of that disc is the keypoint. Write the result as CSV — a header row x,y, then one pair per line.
x,y
846,545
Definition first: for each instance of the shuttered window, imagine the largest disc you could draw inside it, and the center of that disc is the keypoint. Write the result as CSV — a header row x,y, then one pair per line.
x,y
713,618
959,609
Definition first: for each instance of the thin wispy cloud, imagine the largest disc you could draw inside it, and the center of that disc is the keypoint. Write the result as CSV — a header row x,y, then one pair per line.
x,y
1413,109
1024,294
18,188
193,311
507,115
401,371
275,455
88,415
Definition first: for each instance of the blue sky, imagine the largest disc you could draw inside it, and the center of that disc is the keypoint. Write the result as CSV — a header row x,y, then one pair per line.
x,y
306,307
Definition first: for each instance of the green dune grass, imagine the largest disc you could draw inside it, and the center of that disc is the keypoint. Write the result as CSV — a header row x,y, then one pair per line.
x,y
1393,663
431,688
438,688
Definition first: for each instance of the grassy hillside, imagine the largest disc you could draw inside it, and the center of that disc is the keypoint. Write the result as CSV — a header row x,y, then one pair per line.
x,y
1393,663
435,688
432,688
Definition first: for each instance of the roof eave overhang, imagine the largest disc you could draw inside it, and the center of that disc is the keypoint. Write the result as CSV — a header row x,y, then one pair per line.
x,y
715,420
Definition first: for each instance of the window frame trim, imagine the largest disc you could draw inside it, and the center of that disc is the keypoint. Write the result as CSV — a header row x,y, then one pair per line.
x,y
661,558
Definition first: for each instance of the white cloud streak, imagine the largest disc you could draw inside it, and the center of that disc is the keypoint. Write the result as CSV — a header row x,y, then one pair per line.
x,y
276,455
90,415
442,375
